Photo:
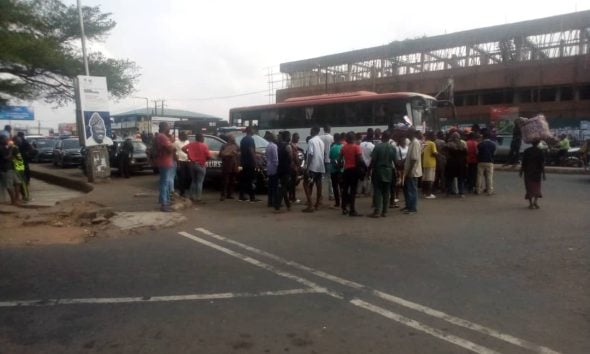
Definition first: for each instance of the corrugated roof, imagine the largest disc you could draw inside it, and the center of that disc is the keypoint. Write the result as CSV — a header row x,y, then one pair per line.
x,y
168,112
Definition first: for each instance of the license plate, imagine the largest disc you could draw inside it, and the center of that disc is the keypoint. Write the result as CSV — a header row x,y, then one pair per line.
x,y
213,164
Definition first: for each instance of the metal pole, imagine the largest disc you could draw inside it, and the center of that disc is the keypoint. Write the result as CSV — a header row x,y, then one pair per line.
x,y
84,54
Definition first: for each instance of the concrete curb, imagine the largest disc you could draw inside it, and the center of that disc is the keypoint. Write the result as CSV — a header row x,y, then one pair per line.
x,y
548,169
62,181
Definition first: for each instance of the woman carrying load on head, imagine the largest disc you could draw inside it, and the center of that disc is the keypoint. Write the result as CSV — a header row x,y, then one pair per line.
x,y
533,169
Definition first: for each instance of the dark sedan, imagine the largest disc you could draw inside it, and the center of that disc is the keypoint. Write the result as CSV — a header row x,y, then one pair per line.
x,y
43,149
214,164
139,159
67,153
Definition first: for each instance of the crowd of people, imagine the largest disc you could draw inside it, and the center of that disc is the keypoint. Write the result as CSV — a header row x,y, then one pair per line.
x,y
340,167
15,176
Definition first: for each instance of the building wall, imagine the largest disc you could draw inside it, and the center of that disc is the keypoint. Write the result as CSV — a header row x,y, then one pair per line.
x,y
559,88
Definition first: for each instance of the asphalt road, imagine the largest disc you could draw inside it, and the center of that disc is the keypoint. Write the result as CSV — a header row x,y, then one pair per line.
x,y
480,274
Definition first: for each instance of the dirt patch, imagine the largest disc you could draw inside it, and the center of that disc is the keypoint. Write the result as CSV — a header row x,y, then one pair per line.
x,y
35,235
68,223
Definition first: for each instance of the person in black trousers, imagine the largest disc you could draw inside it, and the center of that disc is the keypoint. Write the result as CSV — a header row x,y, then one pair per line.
x,y
248,161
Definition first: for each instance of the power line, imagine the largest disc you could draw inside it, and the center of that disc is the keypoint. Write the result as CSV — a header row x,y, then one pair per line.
x,y
217,97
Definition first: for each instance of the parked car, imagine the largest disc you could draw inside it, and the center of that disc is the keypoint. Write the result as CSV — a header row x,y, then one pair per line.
x,y
67,153
139,160
214,164
214,144
261,144
43,149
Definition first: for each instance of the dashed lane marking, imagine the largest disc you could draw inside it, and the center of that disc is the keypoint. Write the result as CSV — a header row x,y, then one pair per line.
x,y
391,298
464,343
171,298
419,326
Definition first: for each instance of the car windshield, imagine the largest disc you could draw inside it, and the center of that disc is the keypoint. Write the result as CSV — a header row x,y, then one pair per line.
x,y
71,144
138,146
45,143
259,141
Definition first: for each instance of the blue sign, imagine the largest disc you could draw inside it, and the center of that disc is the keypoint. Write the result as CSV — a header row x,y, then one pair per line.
x,y
16,113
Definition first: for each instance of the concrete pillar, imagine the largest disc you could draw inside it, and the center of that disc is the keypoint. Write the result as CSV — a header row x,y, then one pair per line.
x,y
97,163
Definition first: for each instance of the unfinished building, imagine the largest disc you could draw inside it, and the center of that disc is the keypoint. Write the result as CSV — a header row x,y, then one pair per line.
x,y
522,69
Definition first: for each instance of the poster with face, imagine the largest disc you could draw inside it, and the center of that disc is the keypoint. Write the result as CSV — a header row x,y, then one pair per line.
x,y
96,131
94,104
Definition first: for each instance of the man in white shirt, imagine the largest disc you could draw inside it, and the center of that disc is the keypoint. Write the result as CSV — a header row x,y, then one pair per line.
x,y
367,147
316,153
328,140
412,171
182,166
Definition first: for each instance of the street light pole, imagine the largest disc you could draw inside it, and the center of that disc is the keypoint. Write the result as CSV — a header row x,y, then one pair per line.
x,y
84,54
147,103
147,111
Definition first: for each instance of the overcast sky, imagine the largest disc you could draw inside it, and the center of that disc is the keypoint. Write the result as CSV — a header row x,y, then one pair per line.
x,y
193,49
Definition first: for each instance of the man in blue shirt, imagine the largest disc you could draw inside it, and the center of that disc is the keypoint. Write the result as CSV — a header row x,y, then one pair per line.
x,y
485,163
272,163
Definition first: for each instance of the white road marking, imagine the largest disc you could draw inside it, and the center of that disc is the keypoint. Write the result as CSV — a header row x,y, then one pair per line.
x,y
262,265
359,303
172,298
421,327
391,298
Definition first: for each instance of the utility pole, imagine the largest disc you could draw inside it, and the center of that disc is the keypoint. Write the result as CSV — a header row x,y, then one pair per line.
x,y
155,107
97,157
84,54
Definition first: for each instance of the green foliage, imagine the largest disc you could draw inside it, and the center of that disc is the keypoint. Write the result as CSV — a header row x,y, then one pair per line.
x,y
41,56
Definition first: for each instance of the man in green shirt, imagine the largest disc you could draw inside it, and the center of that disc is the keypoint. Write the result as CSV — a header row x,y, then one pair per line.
x,y
382,167
336,168
564,146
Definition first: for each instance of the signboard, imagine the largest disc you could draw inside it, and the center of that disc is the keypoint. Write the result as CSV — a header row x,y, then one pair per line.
x,y
504,113
17,113
67,128
94,119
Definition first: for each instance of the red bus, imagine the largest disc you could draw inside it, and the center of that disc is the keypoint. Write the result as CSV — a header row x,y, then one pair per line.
x,y
343,112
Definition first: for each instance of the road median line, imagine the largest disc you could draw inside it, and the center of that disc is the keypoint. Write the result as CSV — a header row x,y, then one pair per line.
x,y
390,298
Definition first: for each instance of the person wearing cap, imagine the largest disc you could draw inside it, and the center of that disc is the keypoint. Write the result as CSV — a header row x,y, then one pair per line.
x,y
98,131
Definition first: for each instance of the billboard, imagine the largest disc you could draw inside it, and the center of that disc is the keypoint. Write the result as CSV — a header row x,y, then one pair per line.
x,y
17,113
67,129
95,119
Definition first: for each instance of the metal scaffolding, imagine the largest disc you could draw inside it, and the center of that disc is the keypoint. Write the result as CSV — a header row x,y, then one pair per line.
x,y
550,38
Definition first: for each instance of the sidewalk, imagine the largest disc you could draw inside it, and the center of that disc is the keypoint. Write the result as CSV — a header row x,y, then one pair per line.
x,y
138,193
64,208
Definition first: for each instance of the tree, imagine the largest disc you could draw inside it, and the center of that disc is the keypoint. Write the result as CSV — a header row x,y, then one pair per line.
x,y
40,54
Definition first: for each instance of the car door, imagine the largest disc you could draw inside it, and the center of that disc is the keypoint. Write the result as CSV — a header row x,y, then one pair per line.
x,y
214,164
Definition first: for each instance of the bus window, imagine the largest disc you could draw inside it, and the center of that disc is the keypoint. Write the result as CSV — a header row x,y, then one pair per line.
x,y
292,118
269,120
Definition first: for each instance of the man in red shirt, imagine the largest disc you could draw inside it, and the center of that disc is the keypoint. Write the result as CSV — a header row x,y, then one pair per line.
x,y
164,151
198,154
351,154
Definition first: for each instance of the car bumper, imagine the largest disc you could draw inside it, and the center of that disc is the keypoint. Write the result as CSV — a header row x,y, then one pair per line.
x,y
72,159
